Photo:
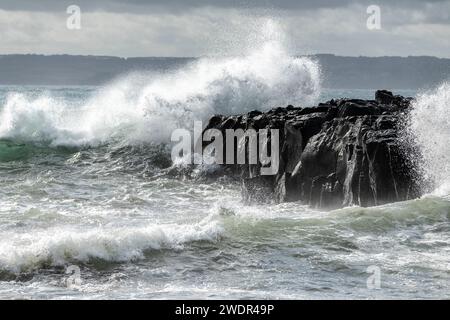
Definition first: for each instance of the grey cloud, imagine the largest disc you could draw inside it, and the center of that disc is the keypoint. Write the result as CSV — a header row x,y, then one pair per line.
x,y
188,28
177,5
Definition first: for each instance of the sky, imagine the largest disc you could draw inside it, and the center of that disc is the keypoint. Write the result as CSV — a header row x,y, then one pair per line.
x,y
191,28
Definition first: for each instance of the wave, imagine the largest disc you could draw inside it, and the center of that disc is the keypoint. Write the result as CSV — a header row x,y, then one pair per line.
x,y
148,107
429,128
428,210
61,246
345,228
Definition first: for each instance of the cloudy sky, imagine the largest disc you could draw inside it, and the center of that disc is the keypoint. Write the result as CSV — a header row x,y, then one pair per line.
x,y
199,27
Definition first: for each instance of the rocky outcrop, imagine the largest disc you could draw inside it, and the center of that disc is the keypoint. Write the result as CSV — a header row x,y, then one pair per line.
x,y
342,152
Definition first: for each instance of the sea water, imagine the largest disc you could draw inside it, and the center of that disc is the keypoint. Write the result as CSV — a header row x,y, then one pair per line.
x,y
89,208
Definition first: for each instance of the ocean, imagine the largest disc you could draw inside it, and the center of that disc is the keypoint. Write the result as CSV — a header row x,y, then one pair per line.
x,y
90,207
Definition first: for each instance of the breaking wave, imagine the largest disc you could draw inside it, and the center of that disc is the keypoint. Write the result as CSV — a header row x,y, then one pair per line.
x,y
57,247
429,127
148,107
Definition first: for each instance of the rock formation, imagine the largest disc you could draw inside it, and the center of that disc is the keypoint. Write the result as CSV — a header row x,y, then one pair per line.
x,y
342,152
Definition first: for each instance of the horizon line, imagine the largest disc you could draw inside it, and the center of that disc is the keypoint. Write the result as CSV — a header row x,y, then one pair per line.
x,y
206,56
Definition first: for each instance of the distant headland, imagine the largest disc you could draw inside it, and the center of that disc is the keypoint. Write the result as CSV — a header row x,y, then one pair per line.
x,y
412,72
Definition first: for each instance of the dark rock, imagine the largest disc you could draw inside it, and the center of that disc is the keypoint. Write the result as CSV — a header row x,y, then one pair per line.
x,y
215,120
349,109
339,153
320,108
254,113
384,97
290,107
261,121
278,110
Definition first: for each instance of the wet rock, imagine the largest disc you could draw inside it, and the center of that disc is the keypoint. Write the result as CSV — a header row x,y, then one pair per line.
x,y
340,153
384,97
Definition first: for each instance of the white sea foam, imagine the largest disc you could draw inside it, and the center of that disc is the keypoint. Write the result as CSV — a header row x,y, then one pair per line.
x,y
429,126
59,246
149,107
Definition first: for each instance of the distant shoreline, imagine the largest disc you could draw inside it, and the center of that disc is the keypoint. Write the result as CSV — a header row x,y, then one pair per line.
x,y
339,72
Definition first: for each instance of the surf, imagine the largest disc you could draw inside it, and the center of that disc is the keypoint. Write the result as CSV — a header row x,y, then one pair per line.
x,y
428,126
146,107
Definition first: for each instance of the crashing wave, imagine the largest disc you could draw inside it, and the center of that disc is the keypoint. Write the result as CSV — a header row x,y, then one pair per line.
x,y
147,108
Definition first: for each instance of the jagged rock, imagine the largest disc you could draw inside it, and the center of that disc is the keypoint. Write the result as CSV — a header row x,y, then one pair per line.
x,y
359,108
339,153
384,97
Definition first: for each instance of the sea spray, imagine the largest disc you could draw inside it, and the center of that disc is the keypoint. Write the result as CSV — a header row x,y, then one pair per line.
x,y
429,129
143,108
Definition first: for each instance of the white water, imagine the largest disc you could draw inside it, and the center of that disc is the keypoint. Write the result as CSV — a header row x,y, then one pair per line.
x,y
144,108
429,126
136,234
60,245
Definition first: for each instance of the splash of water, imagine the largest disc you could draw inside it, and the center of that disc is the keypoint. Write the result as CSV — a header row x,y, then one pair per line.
x,y
429,126
143,108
